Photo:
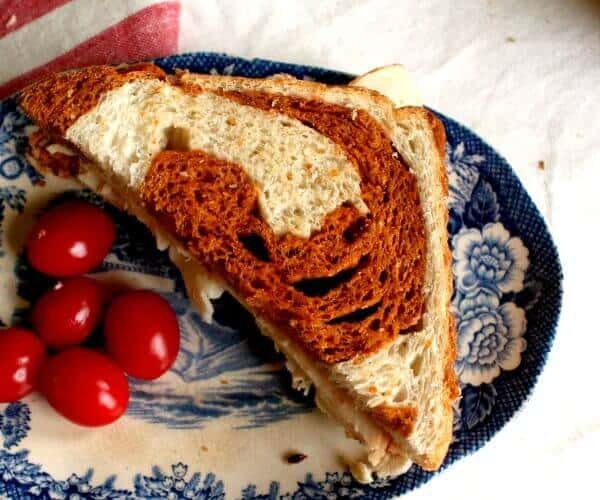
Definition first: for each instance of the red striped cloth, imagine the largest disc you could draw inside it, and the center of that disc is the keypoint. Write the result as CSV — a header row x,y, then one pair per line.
x,y
38,37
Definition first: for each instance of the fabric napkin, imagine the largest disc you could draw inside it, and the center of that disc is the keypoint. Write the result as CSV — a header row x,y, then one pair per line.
x,y
38,37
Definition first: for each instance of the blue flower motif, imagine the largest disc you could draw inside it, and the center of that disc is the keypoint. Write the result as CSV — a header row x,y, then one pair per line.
x,y
336,485
456,419
490,337
19,476
483,206
12,197
16,472
476,403
14,423
249,492
14,127
177,486
463,175
489,258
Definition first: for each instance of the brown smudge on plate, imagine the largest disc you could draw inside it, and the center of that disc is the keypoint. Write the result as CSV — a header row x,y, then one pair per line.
x,y
295,458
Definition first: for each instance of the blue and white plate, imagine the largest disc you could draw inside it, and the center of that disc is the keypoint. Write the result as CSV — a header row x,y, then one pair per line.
x,y
222,421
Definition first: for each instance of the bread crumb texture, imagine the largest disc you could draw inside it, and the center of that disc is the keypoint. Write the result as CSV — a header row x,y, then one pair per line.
x,y
300,175
348,289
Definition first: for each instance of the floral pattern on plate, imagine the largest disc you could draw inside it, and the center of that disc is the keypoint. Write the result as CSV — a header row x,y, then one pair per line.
x,y
488,264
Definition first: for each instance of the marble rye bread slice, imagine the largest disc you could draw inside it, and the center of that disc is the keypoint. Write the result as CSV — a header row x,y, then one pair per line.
x,y
321,209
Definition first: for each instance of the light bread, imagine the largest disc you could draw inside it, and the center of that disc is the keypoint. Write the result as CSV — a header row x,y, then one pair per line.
x,y
272,148
396,399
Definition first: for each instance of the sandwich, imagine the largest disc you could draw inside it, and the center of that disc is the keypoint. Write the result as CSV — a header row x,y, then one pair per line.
x,y
321,209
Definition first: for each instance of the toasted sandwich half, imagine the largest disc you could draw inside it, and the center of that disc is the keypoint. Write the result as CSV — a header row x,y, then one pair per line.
x,y
321,209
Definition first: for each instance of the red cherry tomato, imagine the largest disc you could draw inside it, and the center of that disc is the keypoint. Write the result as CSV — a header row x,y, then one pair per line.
x,y
70,239
22,354
67,314
142,334
85,386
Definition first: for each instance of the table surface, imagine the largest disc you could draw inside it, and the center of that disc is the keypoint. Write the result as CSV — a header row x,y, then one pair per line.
x,y
525,75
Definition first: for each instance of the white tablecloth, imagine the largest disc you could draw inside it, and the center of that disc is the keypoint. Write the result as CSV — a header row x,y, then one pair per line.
x,y
526,76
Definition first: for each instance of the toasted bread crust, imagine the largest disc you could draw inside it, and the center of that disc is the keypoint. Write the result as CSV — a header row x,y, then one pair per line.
x,y
450,379
399,419
433,460
58,100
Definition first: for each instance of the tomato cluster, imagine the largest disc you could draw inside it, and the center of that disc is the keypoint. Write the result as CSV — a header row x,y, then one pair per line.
x,y
141,334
